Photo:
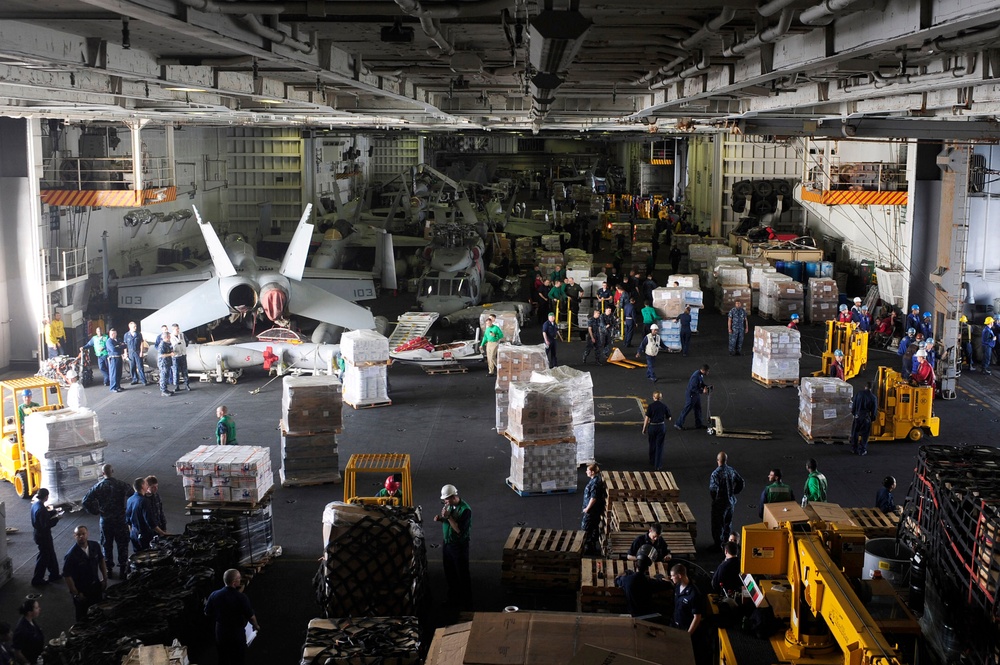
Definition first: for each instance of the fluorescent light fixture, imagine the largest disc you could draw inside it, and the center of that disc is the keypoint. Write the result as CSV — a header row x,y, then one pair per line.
x,y
271,101
179,88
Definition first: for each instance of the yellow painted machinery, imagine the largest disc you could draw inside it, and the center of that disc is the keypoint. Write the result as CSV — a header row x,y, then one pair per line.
x,y
393,464
827,623
16,464
904,410
852,342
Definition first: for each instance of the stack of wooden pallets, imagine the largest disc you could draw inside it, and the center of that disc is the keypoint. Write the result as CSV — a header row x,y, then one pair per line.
x,y
598,592
542,559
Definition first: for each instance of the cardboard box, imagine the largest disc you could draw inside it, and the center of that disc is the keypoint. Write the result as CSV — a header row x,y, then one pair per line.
x,y
828,512
527,638
784,511
448,645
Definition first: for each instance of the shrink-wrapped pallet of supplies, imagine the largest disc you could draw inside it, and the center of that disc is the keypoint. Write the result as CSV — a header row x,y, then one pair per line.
x,y
226,473
365,376
364,346
311,404
823,299
727,295
508,322
542,446
548,258
776,354
69,450
311,419
825,408
581,388
515,363
375,562
685,281
670,334
539,412
668,301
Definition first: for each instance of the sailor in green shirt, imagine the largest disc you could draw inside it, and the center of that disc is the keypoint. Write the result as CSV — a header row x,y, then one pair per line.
x,y
456,523
225,431
815,487
557,294
25,407
775,492
492,337
558,274
649,317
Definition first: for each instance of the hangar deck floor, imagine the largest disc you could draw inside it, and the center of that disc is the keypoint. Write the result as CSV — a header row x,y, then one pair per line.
x,y
445,423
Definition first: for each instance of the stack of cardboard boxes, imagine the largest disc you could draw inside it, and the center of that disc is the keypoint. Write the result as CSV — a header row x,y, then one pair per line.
x,y
780,297
68,445
515,363
580,385
226,474
825,409
776,354
542,447
506,320
366,354
311,418
824,297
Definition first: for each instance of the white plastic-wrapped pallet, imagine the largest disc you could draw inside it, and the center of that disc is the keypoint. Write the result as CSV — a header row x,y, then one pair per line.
x,y
69,450
825,408
581,387
226,473
684,281
668,301
776,353
364,346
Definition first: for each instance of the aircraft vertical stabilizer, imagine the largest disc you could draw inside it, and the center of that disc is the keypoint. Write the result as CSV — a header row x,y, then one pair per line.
x,y
223,264
294,262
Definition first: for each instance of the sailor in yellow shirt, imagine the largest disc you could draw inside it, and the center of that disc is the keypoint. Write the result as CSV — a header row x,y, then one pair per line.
x,y
55,335
491,340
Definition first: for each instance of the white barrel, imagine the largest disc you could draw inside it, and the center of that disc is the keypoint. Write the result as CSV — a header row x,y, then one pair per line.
x,y
890,558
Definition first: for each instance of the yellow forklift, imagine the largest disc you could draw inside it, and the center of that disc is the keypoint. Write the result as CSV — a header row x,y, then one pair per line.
x,y
396,465
17,465
853,343
904,410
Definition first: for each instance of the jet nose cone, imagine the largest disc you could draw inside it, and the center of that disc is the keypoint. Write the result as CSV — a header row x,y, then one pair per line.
x,y
273,302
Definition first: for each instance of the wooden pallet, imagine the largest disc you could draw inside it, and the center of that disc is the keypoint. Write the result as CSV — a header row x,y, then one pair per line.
x,y
455,368
538,442
681,543
369,405
774,383
874,522
542,558
598,592
839,440
638,515
229,506
641,485
249,570
520,492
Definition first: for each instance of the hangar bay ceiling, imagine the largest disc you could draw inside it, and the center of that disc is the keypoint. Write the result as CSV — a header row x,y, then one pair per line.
x,y
834,67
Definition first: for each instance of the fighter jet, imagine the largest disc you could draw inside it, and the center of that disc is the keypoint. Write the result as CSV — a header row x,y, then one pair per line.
x,y
240,283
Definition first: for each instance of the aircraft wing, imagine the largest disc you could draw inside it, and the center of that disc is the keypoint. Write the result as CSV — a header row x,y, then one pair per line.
x,y
314,303
347,284
160,289
195,308
298,249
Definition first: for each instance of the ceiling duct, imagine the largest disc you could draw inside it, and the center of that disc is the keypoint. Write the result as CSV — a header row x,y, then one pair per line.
x,y
543,92
555,37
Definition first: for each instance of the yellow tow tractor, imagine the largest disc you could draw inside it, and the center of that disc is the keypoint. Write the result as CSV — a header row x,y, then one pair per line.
x,y
853,343
393,464
904,410
16,464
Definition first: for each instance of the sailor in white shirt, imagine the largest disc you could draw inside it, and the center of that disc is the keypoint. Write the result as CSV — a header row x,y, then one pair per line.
x,y
179,342
75,397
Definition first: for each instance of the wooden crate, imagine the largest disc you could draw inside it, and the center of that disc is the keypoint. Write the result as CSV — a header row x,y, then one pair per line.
x,y
874,522
542,558
638,515
681,543
641,486
598,592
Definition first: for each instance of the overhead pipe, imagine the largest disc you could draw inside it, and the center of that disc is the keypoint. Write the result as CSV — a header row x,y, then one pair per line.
x,y
711,27
768,36
769,9
430,24
695,69
878,81
825,12
276,36
368,8
965,41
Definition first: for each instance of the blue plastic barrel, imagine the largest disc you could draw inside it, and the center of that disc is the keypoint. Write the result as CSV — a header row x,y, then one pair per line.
x,y
826,269
780,266
812,269
794,270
